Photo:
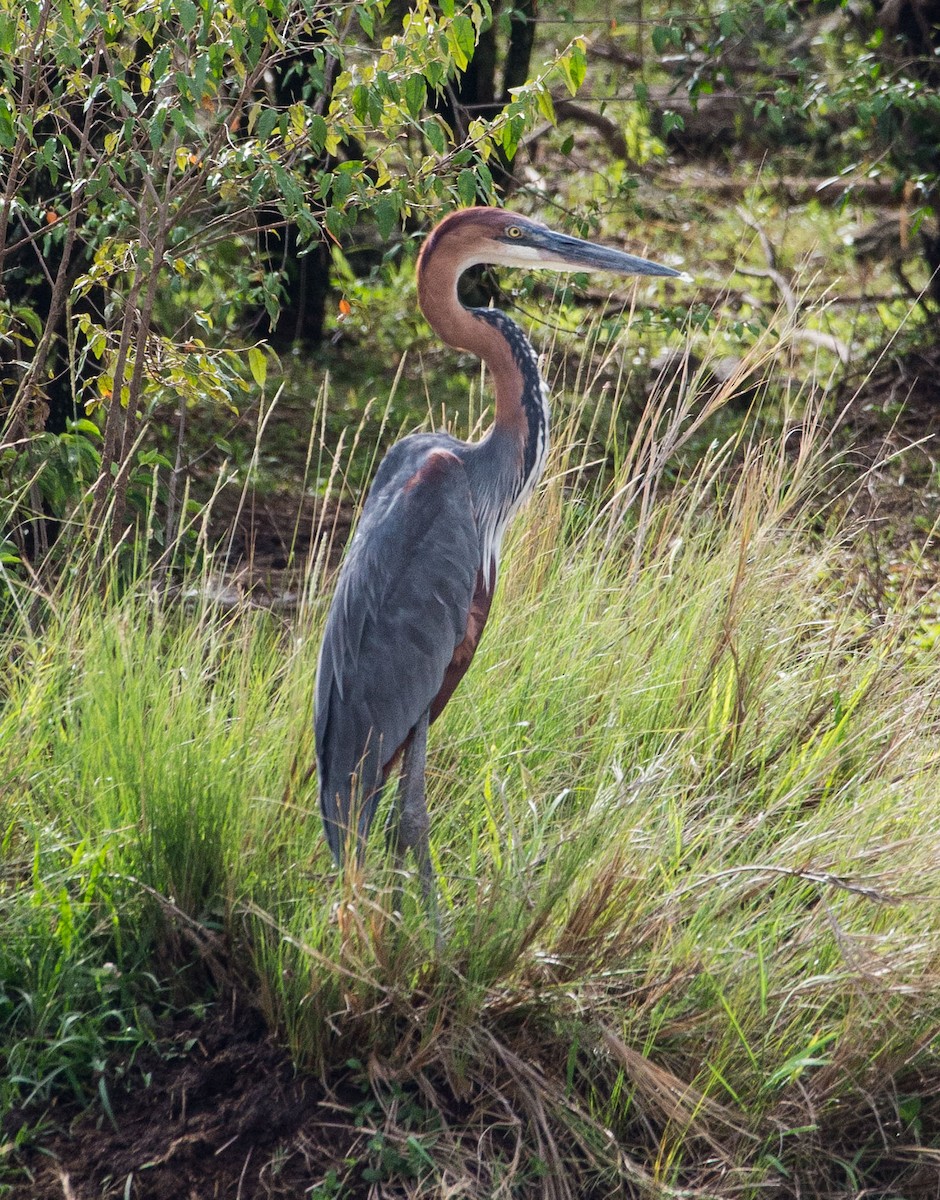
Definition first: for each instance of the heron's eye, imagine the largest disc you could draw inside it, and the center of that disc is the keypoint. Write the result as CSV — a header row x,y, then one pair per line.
x,y
514,231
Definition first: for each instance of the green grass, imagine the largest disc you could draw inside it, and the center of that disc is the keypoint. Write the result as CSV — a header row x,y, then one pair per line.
x,y
683,810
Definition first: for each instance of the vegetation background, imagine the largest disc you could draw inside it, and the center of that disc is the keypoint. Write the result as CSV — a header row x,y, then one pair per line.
x,y
684,806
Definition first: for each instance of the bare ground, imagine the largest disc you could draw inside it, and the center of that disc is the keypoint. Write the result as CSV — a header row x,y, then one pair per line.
x,y
222,1097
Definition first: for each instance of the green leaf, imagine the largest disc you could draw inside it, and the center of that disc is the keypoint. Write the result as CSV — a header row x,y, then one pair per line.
x,y
7,34
386,215
256,19
7,125
200,71
360,101
573,65
461,40
512,131
662,37
727,24
577,65
188,14
258,363
416,94
467,186
31,318
435,134
289,189
334,221
83,425
266,123
153,458
121,98
319,131
161,60
155,130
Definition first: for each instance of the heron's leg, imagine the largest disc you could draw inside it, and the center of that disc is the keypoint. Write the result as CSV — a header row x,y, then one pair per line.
x,y
408,824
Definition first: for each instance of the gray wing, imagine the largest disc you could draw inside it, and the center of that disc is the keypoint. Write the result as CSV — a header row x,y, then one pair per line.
x,y
399,611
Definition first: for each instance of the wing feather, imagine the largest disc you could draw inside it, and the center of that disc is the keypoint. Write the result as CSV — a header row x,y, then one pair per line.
x,y
400,610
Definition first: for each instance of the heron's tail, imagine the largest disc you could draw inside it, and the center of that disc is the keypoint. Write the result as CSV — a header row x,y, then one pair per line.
x,y
348,808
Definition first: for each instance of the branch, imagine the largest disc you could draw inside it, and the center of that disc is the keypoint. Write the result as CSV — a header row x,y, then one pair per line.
x,y
610,131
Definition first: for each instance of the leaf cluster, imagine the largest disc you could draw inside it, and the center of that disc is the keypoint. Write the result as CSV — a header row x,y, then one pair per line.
x,y
151,144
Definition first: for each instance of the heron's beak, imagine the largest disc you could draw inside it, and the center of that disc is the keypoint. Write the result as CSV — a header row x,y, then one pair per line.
x,y
559,250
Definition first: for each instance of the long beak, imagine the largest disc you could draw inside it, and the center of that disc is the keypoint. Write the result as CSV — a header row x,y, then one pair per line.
x,y
558,249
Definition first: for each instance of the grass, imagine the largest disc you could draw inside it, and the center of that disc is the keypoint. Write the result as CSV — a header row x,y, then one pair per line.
x,y
683,810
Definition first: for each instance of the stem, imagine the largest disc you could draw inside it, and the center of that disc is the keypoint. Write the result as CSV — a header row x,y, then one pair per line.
x,y
27,102
118,435
62,284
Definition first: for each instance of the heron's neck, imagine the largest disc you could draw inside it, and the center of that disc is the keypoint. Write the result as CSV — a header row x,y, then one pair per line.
x,y
521,419
508,463
522,414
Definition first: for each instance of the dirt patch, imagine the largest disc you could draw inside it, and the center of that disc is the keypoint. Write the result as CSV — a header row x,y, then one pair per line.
x,y
223,1114
893,427
891,476
265,546
218,1111
272,531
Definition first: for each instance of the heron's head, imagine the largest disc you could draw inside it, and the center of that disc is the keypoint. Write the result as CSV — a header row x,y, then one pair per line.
x,y
492,235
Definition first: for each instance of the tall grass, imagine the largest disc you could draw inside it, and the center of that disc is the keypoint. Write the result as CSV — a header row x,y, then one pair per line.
x,y
683,812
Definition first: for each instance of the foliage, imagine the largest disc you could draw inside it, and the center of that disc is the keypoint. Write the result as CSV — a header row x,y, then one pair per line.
x,y
167,166
859,85
72,1019
150,146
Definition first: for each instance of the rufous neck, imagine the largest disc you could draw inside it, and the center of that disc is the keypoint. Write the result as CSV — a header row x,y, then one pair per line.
x,y
439,268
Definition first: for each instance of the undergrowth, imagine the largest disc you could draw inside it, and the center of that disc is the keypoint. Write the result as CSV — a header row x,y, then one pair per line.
x,y
683,813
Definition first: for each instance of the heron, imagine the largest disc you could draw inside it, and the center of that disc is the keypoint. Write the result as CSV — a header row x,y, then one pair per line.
x,y
416,585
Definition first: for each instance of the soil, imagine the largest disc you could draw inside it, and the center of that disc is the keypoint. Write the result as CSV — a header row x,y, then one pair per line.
x,y
892,423
890,440
224,1114
265,543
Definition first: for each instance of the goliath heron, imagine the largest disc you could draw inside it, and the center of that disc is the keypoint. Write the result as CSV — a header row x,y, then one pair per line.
x,y
417,582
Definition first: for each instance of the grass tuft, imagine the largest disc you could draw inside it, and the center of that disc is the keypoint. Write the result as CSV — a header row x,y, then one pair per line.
x,y
683,811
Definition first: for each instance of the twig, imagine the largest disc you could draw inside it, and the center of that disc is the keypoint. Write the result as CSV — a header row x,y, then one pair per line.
x,y
770,254
822,877
67,1190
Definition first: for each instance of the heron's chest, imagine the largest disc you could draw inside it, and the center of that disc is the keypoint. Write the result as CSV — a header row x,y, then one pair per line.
x,y
497,504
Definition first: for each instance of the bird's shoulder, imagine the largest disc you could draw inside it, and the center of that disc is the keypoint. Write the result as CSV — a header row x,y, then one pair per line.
x,y
407,456
421,486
